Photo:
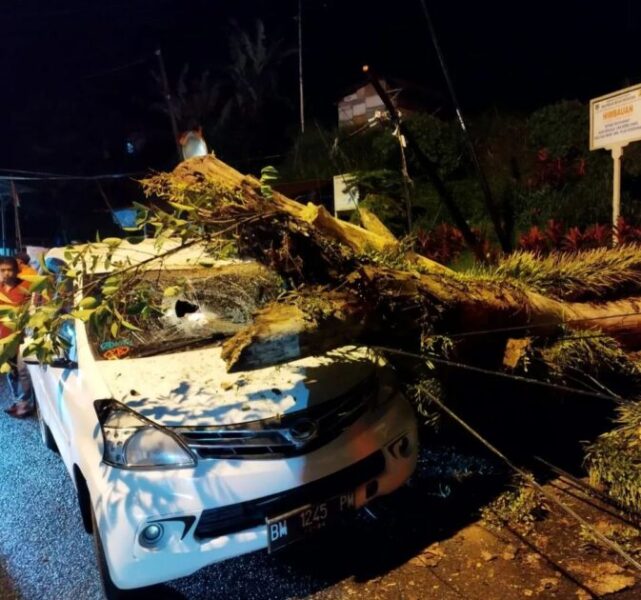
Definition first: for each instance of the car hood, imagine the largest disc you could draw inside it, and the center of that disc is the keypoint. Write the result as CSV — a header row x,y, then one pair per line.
x,y
193,388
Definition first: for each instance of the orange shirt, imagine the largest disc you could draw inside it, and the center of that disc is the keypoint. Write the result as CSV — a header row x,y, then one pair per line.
x,y
26,270
16,295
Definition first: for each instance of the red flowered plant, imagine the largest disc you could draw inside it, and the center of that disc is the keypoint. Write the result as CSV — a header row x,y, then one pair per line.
x,y
443,244
572,240
627,233
554,233
597,235
534,241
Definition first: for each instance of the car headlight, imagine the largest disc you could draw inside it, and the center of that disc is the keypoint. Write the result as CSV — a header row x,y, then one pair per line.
x,y
133,442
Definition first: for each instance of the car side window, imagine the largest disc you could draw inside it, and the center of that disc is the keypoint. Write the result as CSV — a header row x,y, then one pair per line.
x,y
67,333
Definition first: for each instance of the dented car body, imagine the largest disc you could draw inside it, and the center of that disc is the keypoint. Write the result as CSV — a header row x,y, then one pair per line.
x,y
179,464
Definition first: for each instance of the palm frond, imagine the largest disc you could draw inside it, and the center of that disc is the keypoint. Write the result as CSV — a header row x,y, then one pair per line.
x,y
598,275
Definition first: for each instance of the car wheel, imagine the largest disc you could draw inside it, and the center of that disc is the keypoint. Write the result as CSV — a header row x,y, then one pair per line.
x,y
110,589
45,433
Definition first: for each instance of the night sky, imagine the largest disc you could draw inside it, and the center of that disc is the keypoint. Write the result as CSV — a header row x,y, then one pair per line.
x,y
515,55
76,74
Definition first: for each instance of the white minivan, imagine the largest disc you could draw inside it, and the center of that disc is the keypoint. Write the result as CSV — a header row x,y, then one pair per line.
x,y
179,464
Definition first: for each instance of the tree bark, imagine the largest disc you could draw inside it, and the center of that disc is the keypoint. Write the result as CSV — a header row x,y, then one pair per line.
x,y
383,306
374,303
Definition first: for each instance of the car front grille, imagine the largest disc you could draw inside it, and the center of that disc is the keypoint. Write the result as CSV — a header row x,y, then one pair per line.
x,y
288,435
245,515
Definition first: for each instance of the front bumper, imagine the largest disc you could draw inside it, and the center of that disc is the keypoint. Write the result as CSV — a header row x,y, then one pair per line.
x,y
217,510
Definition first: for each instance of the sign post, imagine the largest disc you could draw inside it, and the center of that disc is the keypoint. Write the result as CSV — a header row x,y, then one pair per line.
x,y
615,121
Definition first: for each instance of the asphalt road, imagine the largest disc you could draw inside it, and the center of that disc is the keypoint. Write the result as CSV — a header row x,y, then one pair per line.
x,y
45,553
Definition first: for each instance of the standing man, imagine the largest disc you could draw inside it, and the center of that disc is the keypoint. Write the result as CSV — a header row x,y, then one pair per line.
x,y
14,291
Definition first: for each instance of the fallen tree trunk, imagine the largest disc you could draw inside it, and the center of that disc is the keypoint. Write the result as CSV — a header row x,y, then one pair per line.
x,y
386,306
383,287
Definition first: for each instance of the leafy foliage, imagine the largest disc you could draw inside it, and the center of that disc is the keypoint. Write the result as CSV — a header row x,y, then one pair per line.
x,y
586,355
613,460
560,142
443,244
597,274
519,507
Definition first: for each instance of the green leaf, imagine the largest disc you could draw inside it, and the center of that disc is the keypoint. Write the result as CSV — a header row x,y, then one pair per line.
x,y
41,262
38,320
88,302
266,191
129,325
110,290
37,282
83,315
184,207
5,368
112,241
172,290
268,173
114,329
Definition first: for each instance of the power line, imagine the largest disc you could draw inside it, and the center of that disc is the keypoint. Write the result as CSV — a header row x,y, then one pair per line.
x,y
117,68
539,325
499,374
530,478
52,177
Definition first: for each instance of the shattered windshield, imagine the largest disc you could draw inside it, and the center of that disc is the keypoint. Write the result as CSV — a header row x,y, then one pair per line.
x,y
190,308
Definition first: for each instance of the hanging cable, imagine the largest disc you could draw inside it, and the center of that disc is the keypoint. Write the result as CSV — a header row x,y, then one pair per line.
x,y
501,234
532,481
70,177
16,204
518,378
539,325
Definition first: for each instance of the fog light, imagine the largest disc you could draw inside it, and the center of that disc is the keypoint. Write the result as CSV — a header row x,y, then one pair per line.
x,y
401,448
405,447
151,535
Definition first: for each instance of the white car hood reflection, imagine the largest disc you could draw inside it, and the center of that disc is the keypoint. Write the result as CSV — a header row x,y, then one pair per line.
x,y
193,388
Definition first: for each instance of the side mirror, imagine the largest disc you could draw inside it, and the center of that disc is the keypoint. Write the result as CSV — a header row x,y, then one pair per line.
x,y
56,363
63,363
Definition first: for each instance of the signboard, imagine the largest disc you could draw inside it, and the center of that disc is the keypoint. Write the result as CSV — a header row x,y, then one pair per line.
x,y
615,119
344,200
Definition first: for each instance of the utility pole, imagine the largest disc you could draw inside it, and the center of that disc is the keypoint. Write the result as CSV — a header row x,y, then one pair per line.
x,y
300,66
501,234
170,106
429,167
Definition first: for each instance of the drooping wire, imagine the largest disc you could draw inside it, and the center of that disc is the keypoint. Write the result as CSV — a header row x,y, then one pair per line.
x,y
532,481
519,378
70,177
539,325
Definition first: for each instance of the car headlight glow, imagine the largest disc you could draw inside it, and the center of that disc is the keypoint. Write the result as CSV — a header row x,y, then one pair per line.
x,y
134,442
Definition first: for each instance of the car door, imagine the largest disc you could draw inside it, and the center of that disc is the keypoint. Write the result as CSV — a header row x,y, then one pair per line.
x,y
54,383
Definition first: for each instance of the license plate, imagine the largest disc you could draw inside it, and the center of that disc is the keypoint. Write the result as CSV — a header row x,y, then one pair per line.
x,y
301,522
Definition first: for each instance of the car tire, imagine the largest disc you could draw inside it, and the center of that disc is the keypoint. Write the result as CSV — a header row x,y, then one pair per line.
x,y
110,589
45,433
